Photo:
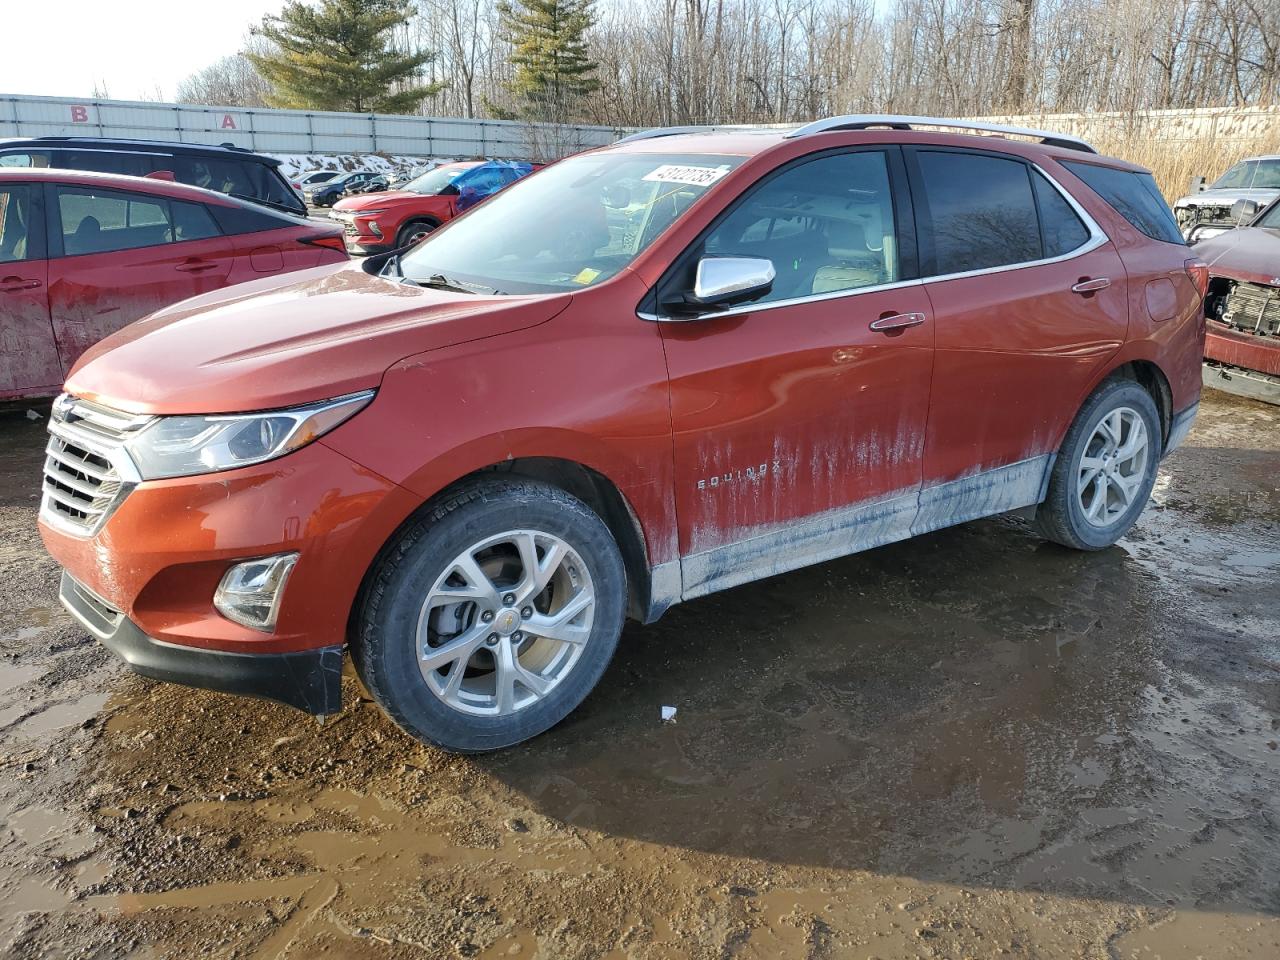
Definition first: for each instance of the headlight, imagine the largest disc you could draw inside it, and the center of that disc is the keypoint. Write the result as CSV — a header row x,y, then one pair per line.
x,y
185,446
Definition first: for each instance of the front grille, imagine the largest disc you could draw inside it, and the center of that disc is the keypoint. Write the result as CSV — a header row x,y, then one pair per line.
x,y
1253,308
86,471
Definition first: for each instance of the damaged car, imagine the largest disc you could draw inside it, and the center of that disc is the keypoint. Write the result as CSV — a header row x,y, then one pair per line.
x,y
1234,198
1242,344
465,464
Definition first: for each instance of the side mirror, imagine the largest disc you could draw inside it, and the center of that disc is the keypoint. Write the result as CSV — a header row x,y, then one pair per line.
x,y
1243,211
1198,185
722,282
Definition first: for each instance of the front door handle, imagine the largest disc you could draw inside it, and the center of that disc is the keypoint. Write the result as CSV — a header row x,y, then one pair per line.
x,y
195,266
897,321
1091,286
13,284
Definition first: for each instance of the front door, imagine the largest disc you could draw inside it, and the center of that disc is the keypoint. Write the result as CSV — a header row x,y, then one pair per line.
x,y
1030,304
799,419
124,256
28,356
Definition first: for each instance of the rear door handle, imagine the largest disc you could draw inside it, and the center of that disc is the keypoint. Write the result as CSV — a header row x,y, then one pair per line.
x,y
195,266
12,284
1091,286
897,321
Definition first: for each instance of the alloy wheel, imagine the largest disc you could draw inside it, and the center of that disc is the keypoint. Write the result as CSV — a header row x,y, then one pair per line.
x,y
505,623
1113,467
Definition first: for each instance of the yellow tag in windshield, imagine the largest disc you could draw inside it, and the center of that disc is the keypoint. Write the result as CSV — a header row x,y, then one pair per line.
x,y
586,276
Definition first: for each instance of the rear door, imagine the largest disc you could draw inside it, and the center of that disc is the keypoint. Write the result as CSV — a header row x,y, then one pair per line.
x,y
28,358
1029,300
799,419
119,256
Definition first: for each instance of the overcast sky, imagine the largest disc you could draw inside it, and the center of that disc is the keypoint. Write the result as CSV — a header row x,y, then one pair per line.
x,y
64,47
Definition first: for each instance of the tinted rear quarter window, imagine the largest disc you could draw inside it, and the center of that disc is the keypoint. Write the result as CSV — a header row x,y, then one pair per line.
x,y
1134,196
1062,228
246,219
982,211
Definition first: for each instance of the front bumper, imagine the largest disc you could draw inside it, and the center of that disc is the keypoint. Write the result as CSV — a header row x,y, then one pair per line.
x,y
310,680
1238,349
159,557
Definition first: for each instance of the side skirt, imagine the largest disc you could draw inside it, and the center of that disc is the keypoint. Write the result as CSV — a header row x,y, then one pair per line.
x,y
862,526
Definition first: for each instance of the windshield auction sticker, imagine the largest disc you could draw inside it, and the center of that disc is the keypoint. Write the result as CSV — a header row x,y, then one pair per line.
x,y
694,176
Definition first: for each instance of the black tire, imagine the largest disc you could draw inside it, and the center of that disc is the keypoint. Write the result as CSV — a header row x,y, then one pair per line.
x,y
405,236
383,649
1061,517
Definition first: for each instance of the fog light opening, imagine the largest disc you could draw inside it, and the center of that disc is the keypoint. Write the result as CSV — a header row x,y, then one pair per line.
x,y
250,592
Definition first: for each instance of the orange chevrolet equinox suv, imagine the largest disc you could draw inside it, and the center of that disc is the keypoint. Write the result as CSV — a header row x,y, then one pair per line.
x,y
644,374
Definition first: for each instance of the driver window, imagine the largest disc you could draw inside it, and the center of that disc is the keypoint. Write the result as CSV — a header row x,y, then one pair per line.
x,y
827,225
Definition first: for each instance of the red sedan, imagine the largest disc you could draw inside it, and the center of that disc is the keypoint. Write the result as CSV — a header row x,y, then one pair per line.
x,y
83,254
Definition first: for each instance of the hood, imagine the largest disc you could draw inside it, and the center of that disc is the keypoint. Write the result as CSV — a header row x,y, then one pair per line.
x,y
1224,198
384,198
286,340
1245,253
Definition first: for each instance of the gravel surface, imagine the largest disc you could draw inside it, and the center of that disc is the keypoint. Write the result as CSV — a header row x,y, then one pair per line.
x,y
973,744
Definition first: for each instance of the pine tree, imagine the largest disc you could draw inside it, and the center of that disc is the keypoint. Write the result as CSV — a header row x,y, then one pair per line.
x,y
553,70
339,55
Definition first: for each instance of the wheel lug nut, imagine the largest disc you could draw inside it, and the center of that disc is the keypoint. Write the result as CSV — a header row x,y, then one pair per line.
x,y
517,637
509,600
492,640
487,616
527,612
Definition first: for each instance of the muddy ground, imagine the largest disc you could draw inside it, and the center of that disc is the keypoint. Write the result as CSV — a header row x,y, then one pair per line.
x,y
973,744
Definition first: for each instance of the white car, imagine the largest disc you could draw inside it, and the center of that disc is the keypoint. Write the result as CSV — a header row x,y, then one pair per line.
x,y
1214,209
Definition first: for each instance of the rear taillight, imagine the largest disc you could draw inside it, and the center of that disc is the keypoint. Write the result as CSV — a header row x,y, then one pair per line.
x,y
332,241
1198,271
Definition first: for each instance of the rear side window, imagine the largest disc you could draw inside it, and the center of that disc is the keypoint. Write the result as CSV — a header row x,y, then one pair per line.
x,y
99,221
214,173
106,161
982,210
1134,196
1061,226
246,219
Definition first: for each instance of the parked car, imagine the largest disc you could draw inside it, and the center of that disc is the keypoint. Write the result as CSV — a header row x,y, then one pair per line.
x,y
467,463
1234,198
226,169
313,178
1242,349
328,193
84,254
375,185
403,217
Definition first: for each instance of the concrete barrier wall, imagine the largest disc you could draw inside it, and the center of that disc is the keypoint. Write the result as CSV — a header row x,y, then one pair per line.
x,y
1223,124
294,131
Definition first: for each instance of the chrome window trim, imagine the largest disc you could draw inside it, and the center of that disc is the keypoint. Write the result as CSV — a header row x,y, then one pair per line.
x,y
1097,238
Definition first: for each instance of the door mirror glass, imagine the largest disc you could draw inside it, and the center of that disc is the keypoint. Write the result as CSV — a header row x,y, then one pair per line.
x,y
1243,211
725,281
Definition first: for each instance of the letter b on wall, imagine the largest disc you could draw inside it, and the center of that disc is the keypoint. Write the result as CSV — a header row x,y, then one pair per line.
x,y
79,114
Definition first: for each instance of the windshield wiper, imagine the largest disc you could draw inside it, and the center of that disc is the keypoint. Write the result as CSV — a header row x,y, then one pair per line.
x,y
439,281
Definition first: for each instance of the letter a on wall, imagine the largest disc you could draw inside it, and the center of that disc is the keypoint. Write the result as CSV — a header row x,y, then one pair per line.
x,y
228,122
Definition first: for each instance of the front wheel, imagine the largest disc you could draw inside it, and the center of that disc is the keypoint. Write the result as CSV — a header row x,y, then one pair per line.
x,y
493,616
1105,470
413,232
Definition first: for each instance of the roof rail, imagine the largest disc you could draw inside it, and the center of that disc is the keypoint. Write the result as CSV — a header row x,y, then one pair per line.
x,y
705,128
896,122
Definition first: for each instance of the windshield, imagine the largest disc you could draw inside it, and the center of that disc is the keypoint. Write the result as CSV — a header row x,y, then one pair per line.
x,y
578,222
1251,175
433,181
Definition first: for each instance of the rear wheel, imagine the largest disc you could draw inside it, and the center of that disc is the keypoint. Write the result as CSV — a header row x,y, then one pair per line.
x,y
414,232
493,617
1105,470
